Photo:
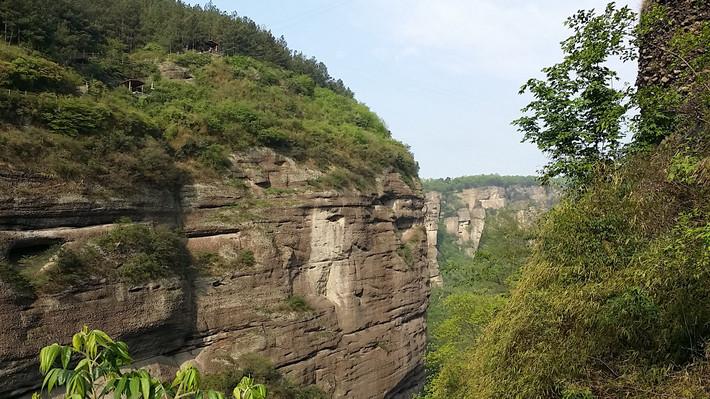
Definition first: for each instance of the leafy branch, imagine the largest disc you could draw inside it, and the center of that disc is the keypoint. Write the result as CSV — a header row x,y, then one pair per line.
x,y
98,373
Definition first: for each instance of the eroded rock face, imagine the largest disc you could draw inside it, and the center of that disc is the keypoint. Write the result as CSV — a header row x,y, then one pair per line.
x,y
431,223
469,221
361,336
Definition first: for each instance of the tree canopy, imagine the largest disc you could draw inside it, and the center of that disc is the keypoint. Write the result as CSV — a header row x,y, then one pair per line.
x,y
94,36
578,115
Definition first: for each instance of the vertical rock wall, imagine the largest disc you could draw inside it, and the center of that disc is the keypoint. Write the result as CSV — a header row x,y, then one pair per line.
x,y
659,63
358,260
431,223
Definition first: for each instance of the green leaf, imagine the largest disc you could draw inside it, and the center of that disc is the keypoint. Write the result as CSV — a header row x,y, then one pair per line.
x,y
261,389
120,387
50,379
82,365
47,356
134,386
91,347
145,385
66,353
102,337
76,341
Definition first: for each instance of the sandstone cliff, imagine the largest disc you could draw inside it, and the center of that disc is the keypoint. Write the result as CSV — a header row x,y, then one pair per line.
x,y
359,261
433,212
464,212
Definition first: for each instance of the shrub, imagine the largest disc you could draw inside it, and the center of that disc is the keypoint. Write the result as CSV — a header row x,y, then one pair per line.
x,y
132,253
298,303
609,285
404,251
11,276
215,156
192,59
33,73
104,365
301,84
246,258
262,371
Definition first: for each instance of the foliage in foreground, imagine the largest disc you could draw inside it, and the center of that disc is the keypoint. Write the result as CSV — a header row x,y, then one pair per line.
x,y
94,366
613,301
577,116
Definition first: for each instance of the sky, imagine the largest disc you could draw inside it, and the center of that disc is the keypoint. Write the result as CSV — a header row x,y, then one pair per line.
x,y
443,74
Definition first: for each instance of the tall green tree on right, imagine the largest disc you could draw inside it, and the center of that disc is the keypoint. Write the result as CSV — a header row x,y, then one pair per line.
x,y
578,113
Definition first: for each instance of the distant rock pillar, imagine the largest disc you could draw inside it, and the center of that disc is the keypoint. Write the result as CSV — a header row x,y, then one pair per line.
x,y
431,223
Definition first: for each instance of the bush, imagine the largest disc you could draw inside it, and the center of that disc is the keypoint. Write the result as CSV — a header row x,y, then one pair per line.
x,y
298,303
263,371
132,253
215,156
302,84
74,116
27,72
192,59
605,296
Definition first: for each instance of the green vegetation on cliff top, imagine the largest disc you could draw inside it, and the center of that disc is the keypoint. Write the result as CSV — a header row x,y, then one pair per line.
x,y
61,100
446,185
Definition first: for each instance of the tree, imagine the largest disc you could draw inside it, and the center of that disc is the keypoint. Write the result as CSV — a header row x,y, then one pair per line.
x,y
91,368
577,116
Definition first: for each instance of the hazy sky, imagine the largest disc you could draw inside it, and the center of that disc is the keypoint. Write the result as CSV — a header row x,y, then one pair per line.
x,y
443,74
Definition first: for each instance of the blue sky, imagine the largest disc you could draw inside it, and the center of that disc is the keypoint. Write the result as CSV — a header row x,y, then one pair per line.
x,y
443,74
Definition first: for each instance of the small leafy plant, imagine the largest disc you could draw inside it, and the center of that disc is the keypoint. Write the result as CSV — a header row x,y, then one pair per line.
x,y
93,367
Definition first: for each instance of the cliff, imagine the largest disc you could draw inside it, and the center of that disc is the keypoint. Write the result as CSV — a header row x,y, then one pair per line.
x,y
661,61
464,211
433,212
359,334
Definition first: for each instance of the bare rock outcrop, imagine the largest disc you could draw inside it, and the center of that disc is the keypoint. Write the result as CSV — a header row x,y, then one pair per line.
x,y
362,334
431,223
468,221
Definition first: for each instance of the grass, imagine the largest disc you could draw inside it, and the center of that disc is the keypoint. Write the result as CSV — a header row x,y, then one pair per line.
x,y
404,251
215,264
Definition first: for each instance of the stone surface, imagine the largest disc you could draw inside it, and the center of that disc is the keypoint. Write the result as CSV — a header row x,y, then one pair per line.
x,y
469,221
659,65
364,335
431,223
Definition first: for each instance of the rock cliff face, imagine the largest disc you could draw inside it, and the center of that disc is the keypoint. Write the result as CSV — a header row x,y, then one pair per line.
x,y
363,335
431,223
660,64
467,209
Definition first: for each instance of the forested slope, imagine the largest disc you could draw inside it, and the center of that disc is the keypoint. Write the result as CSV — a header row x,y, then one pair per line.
x,y
68,64
613,301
